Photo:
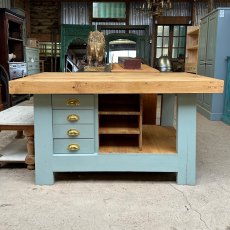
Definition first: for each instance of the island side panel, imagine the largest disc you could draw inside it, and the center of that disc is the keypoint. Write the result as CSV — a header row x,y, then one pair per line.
x,y
186,138
167,107
43,140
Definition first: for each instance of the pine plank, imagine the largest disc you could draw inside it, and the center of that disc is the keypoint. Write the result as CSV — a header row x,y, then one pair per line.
x,y
156,139
117,83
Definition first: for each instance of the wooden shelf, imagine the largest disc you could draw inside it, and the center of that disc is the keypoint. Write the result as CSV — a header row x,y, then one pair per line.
x,y
120,118
193,30
192,49
15,39
156,140
119,130
14,152
119,110
119,127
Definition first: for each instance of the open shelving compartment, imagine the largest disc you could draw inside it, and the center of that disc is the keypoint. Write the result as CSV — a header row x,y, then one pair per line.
x,y
192,49
121,128
120,121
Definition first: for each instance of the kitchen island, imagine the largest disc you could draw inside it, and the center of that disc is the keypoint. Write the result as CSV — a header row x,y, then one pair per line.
x,y
71,136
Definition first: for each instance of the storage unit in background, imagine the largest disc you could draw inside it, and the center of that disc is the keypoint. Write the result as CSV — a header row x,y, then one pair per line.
x,y
213,50
226,116
32,59
1,105
12,53
192,49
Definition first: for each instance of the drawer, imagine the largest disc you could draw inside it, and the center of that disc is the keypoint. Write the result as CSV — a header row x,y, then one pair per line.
x,y
78,116
33,66
86,146
73,101
32,54
73,131
34,71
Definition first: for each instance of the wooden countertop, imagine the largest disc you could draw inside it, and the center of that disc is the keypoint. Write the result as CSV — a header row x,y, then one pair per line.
x,y
107,82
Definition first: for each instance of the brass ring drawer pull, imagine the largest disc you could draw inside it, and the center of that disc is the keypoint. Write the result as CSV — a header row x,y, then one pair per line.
x,y
73,147
73,102
73,132
73,117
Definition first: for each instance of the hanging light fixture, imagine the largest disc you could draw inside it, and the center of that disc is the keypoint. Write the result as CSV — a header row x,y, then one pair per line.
x,y
155,7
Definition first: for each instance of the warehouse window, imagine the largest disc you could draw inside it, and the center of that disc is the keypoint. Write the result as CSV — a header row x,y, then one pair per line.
x,y
171,41
108,10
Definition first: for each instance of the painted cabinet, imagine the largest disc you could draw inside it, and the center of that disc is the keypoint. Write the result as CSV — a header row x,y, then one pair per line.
x,y
226,116
73,124
32,60
213,49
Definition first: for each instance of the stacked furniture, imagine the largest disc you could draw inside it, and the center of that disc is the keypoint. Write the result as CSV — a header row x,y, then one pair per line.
x,y
192,49
12,52
213,50
32,59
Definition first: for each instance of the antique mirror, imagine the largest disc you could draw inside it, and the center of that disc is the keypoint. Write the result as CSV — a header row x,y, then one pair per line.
x,y
76,55
121,48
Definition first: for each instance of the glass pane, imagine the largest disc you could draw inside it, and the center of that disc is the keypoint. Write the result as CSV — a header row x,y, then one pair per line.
x,y
109,10
166,30
158,53
175,41
176,31
159,30
174,53
159,42
181,52
182,30
165,52
182,42
165,41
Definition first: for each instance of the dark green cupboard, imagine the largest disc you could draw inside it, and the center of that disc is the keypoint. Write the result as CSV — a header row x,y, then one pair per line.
x,y
71,33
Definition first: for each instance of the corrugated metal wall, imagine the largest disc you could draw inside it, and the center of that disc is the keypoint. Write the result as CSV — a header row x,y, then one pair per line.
x,y
5,4
74,13
179,9
77,12
138,18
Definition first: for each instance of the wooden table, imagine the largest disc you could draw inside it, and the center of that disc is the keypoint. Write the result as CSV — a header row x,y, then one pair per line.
x,y
20,119
149,100
69,101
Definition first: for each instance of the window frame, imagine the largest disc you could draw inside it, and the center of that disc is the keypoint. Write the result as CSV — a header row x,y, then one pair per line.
x,y
126,19
171,40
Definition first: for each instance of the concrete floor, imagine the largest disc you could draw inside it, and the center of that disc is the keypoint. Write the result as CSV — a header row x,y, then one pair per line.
x,y
149,201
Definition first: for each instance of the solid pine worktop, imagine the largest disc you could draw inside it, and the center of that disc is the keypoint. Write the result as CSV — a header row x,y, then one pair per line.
x,y
107,82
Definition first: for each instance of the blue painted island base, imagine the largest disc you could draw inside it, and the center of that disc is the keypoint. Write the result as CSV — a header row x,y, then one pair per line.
x,y
181,159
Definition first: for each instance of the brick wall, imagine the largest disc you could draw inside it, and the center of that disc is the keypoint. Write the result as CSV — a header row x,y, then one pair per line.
x,y
44,18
